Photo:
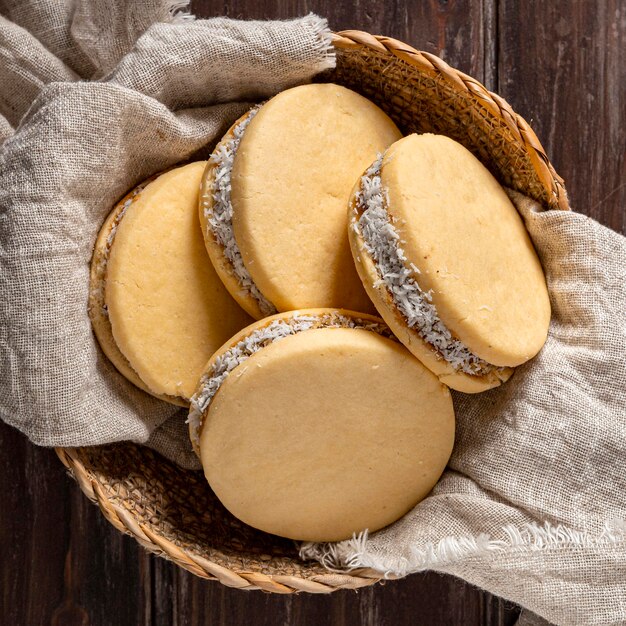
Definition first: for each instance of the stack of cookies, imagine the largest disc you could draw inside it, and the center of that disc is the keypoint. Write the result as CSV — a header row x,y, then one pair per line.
x,y
247,288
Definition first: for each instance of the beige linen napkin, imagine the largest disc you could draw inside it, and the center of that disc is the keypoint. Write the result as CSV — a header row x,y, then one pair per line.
x,y
172,88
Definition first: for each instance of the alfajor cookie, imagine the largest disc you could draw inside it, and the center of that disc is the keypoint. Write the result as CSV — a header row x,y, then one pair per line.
x,y
447,261
317,424
274,194
157,307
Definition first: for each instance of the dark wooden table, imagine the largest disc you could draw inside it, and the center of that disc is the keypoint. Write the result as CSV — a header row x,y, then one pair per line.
x,y
560,64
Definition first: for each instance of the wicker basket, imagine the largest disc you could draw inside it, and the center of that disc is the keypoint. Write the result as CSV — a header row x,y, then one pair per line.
x,y
172,512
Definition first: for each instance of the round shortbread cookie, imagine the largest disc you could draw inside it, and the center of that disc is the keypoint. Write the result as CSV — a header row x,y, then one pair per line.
x,y
326,430
464,244
295,164
158,308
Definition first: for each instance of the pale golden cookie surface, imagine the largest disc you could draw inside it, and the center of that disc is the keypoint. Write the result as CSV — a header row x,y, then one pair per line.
x,y
98,313
325,433
410,337
167,308
293,174
460,229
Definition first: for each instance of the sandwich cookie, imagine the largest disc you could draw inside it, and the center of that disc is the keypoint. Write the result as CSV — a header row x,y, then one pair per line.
x,y
157,307
317,424
447,261
274,195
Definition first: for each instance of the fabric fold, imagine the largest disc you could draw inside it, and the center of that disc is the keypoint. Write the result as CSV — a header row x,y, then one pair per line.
x,y
118,25
50,23
91,37
78,149
26,66
224,61
6,130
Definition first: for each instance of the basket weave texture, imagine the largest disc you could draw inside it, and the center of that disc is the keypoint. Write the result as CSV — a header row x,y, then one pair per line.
x,y
171,511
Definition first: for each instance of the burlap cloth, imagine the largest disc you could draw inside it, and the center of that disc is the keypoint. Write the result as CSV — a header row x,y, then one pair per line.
x,y
533,505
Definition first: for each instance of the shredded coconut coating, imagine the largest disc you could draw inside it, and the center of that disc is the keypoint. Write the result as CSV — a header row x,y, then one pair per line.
x,y
275,331
382,242
219,212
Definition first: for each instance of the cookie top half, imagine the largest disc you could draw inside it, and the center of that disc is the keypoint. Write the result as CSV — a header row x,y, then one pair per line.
x,y
445,255
285,173
318,424
158,308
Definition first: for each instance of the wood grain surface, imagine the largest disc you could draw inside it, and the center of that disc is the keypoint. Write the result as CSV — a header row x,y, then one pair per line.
x,y
560,64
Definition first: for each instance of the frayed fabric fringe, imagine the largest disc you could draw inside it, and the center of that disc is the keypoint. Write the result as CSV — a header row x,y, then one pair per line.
x,y
324,38
180,11
355,554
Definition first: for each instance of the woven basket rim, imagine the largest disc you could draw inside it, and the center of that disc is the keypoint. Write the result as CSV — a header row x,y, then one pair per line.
x,y
434,66
121,518
123,521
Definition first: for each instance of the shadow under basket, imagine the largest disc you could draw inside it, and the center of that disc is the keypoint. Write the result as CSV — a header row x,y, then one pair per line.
x,y
173,512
